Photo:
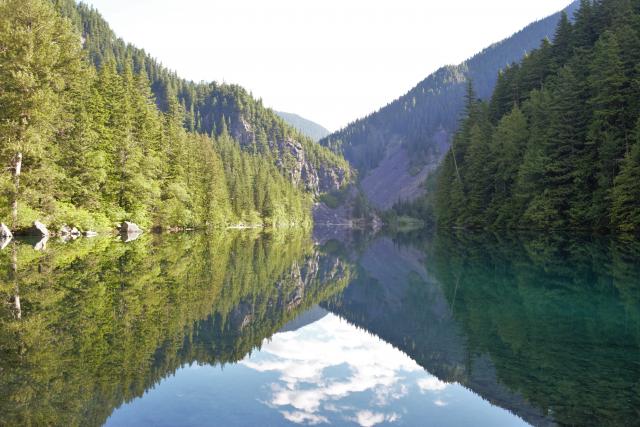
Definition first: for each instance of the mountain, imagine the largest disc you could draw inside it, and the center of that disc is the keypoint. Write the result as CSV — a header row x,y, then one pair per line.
x,y
397,147
558,144
94,132
304,126
209,107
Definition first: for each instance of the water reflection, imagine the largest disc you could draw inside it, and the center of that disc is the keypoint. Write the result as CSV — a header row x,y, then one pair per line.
x,y
252,329
547,327
304,361
101,321
325,372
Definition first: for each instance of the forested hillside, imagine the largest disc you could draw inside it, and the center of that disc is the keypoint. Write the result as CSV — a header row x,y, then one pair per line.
x,y
209,107
558,144
94,132
305,126
412,133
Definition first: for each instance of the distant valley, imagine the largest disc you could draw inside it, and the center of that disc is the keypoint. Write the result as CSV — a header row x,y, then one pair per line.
x,y
304,126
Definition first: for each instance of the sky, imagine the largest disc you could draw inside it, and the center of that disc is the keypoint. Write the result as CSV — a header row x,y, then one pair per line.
x,y
330,61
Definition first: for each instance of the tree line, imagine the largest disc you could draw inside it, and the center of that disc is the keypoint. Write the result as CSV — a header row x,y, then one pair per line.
x,y
558,144
209,107
89,146
423,118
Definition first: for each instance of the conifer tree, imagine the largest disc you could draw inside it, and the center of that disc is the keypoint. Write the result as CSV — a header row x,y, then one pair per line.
x,y
626,192
40,57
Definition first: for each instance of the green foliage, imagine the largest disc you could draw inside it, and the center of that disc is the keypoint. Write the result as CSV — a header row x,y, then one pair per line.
x,y
556,148
206,108
626,192
107,143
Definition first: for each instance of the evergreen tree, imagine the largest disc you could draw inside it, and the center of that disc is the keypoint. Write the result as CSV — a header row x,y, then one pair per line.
x,y
626,192
567,158
40,59
509,142
608,132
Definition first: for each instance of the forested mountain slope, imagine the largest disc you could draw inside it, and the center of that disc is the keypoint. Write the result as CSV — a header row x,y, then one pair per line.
x,y
93,132
209,107
395,148
306,127
558,145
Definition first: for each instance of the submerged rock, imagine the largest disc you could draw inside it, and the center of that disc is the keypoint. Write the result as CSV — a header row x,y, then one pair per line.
x,y
42,244
130,237
4,242
5,232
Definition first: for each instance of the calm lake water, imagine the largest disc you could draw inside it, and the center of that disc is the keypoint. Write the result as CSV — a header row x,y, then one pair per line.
x,y
244,329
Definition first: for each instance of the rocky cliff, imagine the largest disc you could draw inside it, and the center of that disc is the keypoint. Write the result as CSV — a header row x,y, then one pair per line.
x,y
294,158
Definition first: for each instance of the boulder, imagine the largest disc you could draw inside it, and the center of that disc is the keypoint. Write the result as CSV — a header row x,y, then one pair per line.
x,y
90,233
64,231
5,233
130,228
75,232
39,229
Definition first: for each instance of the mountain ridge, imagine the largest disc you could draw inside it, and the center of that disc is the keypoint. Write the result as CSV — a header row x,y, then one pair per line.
x,y
421,122
305,126
211,107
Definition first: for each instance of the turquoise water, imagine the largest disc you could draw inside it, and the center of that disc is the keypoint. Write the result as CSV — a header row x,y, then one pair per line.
x,y
251,329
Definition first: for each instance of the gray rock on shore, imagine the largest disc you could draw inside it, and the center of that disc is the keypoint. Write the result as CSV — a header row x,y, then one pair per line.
x,y
130,228
39,229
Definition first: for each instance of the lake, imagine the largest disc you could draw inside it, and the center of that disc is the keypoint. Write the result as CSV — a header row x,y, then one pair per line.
x,y
335,328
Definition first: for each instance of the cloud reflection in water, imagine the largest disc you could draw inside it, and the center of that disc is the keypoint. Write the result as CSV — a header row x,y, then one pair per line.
x,y
332,369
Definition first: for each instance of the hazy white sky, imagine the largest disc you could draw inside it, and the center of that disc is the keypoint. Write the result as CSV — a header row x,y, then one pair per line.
x,y
331,61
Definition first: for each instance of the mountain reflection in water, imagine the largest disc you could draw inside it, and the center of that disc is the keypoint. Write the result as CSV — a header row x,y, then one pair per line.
x,y
272,329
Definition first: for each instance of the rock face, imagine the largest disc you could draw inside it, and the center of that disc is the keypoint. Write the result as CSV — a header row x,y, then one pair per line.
x,y
130,228
5,232
392,180
39,229
293,158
